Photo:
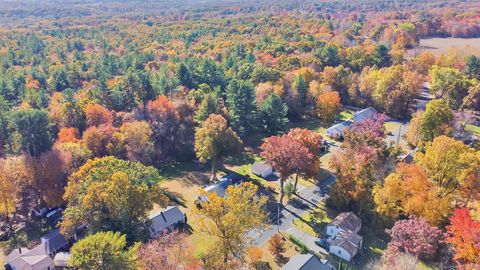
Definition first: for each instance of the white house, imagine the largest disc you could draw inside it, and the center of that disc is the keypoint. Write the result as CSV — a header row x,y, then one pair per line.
x,y
343,234
346,245
165,220
40,257
336,131
220,187
307,262
364,114
344,222
34,259
262,169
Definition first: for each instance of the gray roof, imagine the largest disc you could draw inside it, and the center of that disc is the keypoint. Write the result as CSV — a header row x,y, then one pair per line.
x,y
341,126
307,262
219,187
162,219
54,241
261,167
35,259
347,221
364,114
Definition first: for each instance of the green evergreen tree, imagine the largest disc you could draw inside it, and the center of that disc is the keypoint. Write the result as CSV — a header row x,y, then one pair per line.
x,y
273,115
34,129
241,105
381,56
207,106
301,88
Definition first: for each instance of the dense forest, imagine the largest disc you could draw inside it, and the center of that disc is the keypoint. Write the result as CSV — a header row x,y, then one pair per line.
x,y
96,97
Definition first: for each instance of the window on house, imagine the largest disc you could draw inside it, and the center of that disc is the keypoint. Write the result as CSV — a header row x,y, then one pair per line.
x,y
339,252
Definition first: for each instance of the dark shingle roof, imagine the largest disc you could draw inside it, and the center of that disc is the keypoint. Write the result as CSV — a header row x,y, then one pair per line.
x,y
306,262
164,218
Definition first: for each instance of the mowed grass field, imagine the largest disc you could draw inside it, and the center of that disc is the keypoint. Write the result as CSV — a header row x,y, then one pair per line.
x,y
439,46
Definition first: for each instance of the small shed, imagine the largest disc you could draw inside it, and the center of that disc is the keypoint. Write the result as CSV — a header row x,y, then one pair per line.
x,y
262,169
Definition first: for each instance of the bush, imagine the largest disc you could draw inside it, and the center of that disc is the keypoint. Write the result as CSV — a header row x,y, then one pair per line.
x,y
261,266
290,190
303,248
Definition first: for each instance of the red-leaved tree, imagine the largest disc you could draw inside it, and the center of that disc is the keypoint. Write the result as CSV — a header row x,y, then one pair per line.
x,y
287,156
414,236
172,251
464,236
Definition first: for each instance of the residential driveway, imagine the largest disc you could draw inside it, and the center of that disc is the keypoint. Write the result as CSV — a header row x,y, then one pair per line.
x,y
307,239
308,197
397,134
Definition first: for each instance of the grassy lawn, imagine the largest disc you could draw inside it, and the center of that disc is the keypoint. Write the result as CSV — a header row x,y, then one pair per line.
x,y
290,251
313,221
391,126
345,115
473,129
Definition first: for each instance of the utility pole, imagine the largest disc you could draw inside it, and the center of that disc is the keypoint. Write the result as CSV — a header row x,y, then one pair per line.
x,y
398,136
278,217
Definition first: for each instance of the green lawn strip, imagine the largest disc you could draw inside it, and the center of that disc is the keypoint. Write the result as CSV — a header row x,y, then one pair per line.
x,y
473,129
312,223
345,115
391,126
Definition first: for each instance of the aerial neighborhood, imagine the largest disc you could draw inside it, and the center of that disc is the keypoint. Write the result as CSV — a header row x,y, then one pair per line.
x,y
240,135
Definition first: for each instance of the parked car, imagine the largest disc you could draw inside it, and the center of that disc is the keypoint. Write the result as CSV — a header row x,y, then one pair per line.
x,y
54,216
323,243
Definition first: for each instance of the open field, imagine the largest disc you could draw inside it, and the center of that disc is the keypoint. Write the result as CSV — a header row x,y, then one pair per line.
x,y
439,46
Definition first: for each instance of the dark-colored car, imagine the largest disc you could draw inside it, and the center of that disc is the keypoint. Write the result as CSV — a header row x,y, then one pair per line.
x,y
54,216
323,243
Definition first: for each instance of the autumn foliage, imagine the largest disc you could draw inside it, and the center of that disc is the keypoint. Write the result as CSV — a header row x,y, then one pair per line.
x,y
464,235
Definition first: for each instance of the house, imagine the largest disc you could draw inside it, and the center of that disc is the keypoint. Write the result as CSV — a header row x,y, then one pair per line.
x,y
220,187
53,241
38,258
346,245
262,169
165,220
344,222
343,235
34,259
307,262
336,131
364,114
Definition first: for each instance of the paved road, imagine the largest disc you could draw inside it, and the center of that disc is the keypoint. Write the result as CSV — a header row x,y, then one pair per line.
x,y
309,198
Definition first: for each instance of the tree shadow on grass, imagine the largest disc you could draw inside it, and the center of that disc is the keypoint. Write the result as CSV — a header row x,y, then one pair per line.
x,y
175,197
298,203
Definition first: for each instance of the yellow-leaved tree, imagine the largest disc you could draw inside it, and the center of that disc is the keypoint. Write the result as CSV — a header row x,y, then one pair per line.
x,y
227,221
